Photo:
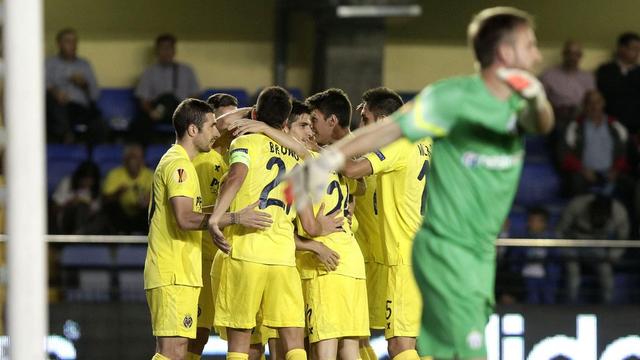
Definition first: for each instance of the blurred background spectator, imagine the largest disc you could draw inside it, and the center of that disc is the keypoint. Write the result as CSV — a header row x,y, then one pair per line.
x,y
72,91
77,202
595,151
599,217
161,88
126,193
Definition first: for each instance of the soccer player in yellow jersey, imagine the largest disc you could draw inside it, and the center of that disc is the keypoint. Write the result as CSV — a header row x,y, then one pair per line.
x,y
401,170
210,167
335,301
172,272
259,275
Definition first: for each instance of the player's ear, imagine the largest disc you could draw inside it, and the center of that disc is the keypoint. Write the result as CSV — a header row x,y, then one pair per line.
x,y
505,53
333,120
254,115
192,130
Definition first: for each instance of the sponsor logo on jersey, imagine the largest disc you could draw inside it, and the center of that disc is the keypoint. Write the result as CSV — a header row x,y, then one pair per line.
x,y
491,162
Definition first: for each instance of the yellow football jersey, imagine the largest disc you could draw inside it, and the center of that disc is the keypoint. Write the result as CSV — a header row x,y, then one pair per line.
x,y
343,242
136,188
401,168
174,256
210,168
267,163
366,212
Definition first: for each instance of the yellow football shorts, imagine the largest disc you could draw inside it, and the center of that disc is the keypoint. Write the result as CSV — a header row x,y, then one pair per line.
x,y
377,293
403,307
335,307
247,288
174,310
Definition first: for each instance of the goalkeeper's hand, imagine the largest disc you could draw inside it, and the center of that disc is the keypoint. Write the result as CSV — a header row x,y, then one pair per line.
x,y
308,182
522,82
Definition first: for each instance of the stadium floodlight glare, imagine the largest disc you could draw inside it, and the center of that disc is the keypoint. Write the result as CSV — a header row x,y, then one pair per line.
x,y
369,11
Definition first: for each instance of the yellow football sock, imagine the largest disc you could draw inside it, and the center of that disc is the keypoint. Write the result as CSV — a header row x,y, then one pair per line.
x,y
159,356
296,354
192,356
364,354
407,355
371,353
237,356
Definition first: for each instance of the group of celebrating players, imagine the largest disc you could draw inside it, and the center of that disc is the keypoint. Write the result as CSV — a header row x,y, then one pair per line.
x,y
233,249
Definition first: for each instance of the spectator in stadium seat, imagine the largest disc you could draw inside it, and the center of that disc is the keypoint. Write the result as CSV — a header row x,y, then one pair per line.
x,y
77,202
595,150
162,86
619,82
72,91
539,272
593,216
566,83
126,192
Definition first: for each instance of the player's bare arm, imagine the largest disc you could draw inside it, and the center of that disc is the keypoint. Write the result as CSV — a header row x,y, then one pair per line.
x,y
244,126
186,218
320,224
357,169
329,258
228,190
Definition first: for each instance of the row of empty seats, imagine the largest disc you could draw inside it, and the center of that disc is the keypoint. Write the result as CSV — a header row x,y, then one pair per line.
x,y
118,106
103,273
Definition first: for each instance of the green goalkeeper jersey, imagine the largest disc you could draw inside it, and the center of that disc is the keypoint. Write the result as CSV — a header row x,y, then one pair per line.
x,y
476,160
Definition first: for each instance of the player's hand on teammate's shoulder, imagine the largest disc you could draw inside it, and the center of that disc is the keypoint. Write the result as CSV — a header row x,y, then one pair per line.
x,y
329,258
240,127
329,223
252,218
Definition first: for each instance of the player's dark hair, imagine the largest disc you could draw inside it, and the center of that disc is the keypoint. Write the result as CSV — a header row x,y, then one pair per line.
x,y
627,37
64,32
490,27
382,101
332,102
273,106
219,100
190,111
298,108
166,37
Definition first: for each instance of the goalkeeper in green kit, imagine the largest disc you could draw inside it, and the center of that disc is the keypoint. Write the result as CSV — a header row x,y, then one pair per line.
x,y
477,123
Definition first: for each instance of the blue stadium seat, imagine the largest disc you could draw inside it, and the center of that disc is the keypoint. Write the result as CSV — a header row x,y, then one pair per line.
x,y
537,149
131,255
517,222
240,94
153,153
107,157
296,93
86,256
62,160
93,264
118,107
539,185
407,95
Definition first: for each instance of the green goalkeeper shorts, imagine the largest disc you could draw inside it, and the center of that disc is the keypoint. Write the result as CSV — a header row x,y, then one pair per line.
x,y
457,291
